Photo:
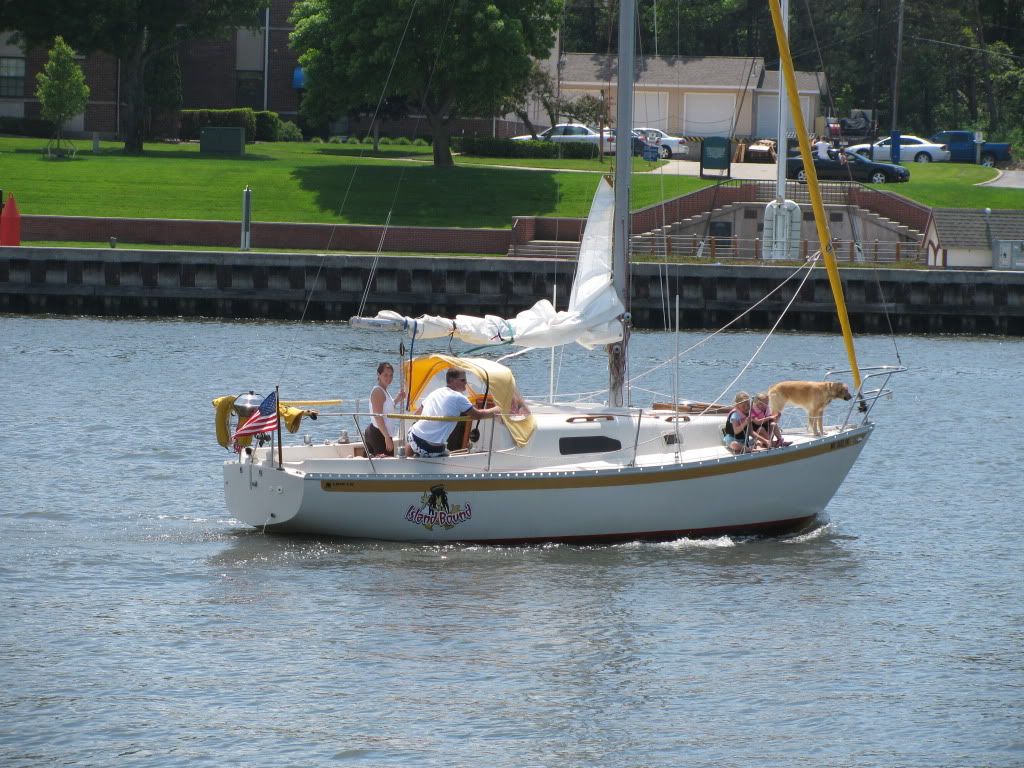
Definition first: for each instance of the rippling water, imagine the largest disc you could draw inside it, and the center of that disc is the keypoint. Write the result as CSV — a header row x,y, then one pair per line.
x,y
141,626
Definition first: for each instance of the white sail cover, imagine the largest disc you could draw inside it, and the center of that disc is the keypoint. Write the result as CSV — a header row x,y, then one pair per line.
x,y
591,319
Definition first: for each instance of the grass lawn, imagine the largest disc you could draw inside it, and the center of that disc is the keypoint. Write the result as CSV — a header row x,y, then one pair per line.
x,y
347,183
301,182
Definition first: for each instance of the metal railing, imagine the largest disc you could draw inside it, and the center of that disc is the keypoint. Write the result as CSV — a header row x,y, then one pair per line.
x,y
864,399
713,248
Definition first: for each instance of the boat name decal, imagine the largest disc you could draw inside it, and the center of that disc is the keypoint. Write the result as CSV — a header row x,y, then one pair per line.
x,y
434,509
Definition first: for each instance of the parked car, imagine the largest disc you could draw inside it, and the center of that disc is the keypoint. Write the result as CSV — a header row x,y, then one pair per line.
x,y
573,132
961,147
668,146
911,148
638,143
846,166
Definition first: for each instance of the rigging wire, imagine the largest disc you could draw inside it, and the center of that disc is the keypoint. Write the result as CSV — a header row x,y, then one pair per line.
x,y
807,265
849,205
351,181
401,175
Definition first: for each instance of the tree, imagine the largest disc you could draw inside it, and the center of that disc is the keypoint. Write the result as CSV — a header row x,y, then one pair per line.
x,y
537,87
135,31
62,91
446,58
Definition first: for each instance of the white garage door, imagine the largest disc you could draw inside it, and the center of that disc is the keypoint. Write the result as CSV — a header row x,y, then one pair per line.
x,y
768,115
708,114
650,110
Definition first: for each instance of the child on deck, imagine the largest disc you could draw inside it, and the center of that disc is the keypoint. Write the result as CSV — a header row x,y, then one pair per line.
x,y
766,423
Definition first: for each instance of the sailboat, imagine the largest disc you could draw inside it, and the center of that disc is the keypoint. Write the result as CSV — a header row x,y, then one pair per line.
x,y
559,472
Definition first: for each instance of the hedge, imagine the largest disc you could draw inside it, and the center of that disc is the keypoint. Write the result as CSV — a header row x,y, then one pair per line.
x,y
485,146
192,120
268,125
26,126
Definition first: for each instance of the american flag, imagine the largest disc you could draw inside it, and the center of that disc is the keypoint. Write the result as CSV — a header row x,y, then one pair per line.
x,y
263,420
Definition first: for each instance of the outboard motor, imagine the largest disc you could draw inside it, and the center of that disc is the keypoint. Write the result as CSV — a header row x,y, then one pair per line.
x,y
246,405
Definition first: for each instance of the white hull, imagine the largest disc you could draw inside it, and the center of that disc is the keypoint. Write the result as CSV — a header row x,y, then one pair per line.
x,y
707,492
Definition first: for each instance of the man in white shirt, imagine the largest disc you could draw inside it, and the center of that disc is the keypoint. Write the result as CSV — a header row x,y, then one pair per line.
x,y
428,437
822,147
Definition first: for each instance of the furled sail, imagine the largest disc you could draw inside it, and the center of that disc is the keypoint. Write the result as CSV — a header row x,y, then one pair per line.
x,y
591,319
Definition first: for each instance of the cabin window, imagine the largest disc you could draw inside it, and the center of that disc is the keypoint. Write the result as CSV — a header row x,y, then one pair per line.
x,y
568,446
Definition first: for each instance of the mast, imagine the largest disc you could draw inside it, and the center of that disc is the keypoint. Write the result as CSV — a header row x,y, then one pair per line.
x,y
623,169
824,236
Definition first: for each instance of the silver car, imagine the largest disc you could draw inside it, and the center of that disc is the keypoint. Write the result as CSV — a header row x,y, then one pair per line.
x,y
573,132
911,148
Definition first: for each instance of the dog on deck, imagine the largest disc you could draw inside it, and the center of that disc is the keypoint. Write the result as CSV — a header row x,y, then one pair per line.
x,y
812,396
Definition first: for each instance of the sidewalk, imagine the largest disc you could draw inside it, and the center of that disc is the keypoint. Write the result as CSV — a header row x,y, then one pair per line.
x,y
758,171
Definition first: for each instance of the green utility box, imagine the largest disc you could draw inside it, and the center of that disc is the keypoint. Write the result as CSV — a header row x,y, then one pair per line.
x,y
716,155
222,141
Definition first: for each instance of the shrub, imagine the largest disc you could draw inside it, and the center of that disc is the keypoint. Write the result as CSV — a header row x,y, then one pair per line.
x,y
337,140
316,140
402,141
26,126
352,140
289,131
193,120
386,141
578,149
425,143
485,146
268,125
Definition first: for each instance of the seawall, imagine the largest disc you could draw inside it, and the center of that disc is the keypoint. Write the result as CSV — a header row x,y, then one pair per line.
x,y
123,283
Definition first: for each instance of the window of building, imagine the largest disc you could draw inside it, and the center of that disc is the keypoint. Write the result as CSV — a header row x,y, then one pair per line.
x,y
12,77
249,89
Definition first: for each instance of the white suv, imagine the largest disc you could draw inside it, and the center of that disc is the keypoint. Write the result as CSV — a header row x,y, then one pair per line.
x,y
573,132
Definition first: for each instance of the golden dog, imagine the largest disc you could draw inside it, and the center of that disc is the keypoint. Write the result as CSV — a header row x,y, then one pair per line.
x,y
812,396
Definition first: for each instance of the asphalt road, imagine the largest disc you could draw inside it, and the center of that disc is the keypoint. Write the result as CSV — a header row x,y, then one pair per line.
x,y
1013,179
1010,179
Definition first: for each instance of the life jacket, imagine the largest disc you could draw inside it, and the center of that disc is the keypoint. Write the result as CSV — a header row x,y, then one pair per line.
x,y
728,428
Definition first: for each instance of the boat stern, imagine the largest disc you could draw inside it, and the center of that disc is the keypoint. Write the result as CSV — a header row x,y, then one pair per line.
x,y
260,495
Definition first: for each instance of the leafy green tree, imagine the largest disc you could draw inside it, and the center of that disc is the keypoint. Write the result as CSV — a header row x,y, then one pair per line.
x,y
445,58
61,90
135,31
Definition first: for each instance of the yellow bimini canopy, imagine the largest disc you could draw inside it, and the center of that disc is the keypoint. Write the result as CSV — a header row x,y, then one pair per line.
x,y
425,374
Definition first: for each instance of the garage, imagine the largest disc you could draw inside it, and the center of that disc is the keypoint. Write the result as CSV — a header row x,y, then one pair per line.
x,y
650,109
768,114
708,114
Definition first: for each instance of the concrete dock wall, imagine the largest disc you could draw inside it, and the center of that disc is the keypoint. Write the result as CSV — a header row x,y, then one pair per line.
x,y
116,282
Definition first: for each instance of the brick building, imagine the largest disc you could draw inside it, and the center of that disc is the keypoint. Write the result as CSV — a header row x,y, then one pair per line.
x,y
248,68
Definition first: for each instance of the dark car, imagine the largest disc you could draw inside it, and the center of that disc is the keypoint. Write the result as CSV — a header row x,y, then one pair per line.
x,y
847,166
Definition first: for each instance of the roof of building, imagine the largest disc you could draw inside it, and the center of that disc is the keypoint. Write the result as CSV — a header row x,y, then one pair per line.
x,y
732,72
806,82
971,228
723,71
